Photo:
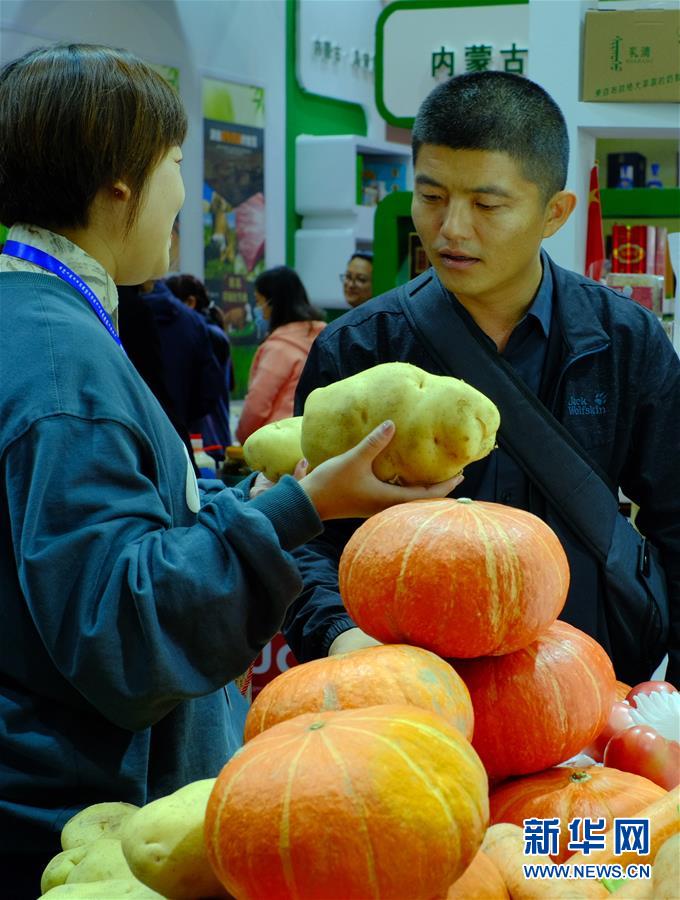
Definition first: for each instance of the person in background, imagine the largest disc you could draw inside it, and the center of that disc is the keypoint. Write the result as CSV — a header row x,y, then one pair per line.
x,y
214,426
139,335
357,279
133,596
293,326
490,157
193,374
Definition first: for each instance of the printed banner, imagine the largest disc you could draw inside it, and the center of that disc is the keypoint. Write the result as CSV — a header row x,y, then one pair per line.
x,y
444,38
275,658
233,211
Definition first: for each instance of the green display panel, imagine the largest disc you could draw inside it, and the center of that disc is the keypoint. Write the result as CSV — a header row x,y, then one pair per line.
x,y
652,203
391,229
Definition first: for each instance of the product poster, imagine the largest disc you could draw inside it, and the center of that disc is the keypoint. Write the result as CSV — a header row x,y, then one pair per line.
x,y
233,211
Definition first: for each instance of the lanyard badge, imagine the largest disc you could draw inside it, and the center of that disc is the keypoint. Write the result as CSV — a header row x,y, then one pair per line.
x,y
51,264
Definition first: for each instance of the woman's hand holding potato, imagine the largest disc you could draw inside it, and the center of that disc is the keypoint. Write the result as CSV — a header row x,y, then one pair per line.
x,y
346,487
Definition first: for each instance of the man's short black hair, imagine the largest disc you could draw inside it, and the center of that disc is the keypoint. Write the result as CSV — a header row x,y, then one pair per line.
x,y
502,112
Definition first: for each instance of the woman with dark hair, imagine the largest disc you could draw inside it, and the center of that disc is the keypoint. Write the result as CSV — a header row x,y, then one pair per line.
x,y
191,291
357,279
133,597
293,326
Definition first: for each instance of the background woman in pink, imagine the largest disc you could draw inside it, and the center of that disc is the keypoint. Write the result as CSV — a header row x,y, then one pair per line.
x,y
293,325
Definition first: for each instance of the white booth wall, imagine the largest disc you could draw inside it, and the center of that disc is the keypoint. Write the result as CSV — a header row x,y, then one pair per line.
x,y
245,40
232,40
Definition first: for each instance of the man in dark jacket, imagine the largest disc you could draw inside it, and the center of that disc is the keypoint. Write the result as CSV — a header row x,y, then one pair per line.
x,y
490,154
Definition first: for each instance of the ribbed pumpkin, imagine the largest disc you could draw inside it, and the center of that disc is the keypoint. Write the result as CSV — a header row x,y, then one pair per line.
x,y
539,706
480,881
568,793
383,802
622,690
391,673
462,578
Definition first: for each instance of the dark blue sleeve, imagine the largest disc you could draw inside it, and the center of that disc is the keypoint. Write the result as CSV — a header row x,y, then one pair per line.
x,y
135,612
208,373
318,616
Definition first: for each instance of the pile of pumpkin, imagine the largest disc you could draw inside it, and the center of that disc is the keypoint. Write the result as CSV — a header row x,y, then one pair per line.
x,y
366,775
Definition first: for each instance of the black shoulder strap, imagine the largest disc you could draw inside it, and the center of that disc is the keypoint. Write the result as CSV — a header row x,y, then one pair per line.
x,y
541,446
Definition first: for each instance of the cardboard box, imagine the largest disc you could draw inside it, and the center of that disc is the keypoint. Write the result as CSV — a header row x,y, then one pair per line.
x,y
647,290
632,56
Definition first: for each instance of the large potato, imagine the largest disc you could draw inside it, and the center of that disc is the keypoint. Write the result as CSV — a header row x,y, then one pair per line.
x,y
100,860
442,423
94,822
274,449
164,846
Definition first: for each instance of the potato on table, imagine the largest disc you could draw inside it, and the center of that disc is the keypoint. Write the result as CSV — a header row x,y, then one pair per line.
x,y
99,860
94,822
442,423
164,846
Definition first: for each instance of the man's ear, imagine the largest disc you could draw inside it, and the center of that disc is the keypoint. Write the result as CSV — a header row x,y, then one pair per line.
x,y
560,206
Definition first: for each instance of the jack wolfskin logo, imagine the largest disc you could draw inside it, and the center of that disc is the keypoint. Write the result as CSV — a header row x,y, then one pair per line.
x,y
582,406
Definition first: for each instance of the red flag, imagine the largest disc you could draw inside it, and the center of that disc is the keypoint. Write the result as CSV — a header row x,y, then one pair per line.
x,y
594,239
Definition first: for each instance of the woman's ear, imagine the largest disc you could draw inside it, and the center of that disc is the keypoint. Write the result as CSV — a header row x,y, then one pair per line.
x,y
120,191
560,206
110,205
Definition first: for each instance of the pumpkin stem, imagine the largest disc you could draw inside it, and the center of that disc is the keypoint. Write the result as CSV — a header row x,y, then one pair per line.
x,y
316,725
465,500
580,775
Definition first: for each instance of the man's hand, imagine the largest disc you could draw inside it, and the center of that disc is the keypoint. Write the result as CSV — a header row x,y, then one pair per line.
x,y
352,639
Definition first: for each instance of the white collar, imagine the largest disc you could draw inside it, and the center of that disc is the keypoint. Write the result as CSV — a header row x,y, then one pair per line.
x,y
73,256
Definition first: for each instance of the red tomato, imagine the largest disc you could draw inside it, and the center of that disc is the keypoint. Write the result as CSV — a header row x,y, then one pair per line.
x,y
619,718
649,687
643,751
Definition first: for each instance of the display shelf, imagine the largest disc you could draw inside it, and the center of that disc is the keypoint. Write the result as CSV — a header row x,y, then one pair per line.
x,y
648,203
334,224
326,172
359,219
321,254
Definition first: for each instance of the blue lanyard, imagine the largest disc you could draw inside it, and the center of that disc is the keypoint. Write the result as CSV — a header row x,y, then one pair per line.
x,y
45,261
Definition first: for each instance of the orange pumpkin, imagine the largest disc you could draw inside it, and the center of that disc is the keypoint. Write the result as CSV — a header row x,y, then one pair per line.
x,y
383,802
391,673
480,881
568,793
539,706
463,578
622,690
